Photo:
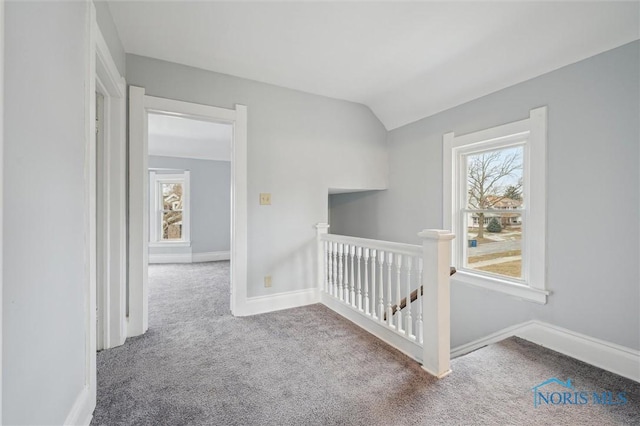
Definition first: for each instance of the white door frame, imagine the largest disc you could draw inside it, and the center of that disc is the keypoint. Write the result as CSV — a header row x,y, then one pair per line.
x,y
99,75
140,105
112,283
101,223
86,401
1,173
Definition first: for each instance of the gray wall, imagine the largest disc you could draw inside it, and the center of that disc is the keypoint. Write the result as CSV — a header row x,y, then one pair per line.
x,y
210,201
298,146
110,34
592,198
44,277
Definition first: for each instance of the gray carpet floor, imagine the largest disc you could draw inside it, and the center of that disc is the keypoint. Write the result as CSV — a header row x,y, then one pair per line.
x,y
198,365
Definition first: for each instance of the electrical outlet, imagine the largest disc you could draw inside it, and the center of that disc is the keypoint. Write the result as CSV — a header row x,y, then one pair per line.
x,y
265,199
267,281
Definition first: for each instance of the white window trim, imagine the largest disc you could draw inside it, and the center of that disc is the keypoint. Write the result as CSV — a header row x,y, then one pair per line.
x,y
155,180
534,128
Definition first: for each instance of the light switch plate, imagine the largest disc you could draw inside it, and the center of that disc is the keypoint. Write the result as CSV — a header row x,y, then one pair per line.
x,y
267,281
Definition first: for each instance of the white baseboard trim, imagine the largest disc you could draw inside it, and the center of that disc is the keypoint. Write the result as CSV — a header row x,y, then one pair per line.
x,y
487,340
608,356
170,258
278,302
211,256
82,409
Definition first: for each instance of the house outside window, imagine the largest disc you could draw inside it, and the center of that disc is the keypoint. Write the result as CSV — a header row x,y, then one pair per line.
x,y
169,210
494,201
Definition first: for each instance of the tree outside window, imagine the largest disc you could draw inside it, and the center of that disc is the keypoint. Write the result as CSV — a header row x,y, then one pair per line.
x,y
494,181
172,206
169,209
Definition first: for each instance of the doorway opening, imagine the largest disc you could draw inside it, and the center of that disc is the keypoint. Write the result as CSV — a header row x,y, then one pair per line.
x,y
172,224
189,164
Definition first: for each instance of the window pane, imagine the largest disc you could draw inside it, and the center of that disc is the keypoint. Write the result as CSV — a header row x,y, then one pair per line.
x,y
496,247
494,179
172,196
172,225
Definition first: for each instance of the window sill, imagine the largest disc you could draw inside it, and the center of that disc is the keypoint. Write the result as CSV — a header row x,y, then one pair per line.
x,y
170,244
495,284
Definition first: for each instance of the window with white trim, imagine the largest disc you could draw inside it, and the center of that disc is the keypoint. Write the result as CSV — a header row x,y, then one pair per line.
x,y
495,203
169,223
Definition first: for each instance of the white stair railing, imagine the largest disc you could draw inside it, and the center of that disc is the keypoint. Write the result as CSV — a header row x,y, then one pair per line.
x,y
366,281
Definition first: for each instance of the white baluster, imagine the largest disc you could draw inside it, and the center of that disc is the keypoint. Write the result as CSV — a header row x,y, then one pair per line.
x,y
398,291
374,253
366,280
345,256
340,272
389,311
359,257
420,291
409,328
381,285
345,272
352,253
335,269
327,266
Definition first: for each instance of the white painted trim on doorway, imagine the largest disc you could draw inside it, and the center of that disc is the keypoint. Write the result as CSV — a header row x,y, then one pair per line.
x,y
239,212
98,76
81,410
112,86
189,110
102,225
90,229
211,256
140,105
1,179
138,302
110,74
609,356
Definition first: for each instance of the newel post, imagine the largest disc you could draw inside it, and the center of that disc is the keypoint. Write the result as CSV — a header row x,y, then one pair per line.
x,y
436,308
321,229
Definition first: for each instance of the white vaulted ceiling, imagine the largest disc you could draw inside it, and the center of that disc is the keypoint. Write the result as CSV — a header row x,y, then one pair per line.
x,y
405,61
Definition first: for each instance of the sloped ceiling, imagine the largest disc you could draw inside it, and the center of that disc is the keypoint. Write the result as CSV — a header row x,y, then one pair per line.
x,y
405,61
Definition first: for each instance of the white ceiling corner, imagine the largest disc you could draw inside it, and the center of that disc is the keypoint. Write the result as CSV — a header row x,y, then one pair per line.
x,y
405,61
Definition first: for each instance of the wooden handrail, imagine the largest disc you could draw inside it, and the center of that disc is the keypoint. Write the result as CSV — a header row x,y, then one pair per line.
x,y
413,295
